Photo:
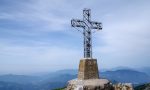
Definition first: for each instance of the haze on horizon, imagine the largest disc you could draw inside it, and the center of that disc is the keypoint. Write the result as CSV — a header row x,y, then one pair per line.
x,y
36,35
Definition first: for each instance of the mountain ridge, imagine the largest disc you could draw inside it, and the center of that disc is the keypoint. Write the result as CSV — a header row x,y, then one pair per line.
x,y
60,78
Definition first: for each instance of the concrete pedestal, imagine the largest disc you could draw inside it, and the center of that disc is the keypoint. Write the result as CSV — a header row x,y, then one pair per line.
x,y
88,69
88,77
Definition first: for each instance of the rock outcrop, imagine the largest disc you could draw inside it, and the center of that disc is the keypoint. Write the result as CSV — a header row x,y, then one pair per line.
x,y
97,84
90,84
123,86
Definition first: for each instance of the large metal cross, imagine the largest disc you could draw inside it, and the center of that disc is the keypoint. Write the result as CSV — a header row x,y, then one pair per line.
x,y
87,25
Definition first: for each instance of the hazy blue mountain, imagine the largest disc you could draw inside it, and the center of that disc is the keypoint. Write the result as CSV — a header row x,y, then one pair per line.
x,y
124,75
59,79
68,71
145,70
120,68
16,86
23,79
52,76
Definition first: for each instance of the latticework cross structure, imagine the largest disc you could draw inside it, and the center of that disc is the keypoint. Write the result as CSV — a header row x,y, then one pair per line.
x,y
87,26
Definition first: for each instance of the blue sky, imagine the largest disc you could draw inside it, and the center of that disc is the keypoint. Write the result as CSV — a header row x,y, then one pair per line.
x,y
36,35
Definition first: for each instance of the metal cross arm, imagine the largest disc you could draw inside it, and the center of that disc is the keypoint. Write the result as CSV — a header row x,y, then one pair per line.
x,y
96,25
77,23
80,23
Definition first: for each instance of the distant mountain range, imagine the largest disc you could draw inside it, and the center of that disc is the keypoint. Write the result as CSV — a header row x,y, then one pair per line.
x,y
126,75
145,70
59,79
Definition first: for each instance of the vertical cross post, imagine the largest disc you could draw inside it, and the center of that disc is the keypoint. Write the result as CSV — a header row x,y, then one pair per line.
x,y
87,26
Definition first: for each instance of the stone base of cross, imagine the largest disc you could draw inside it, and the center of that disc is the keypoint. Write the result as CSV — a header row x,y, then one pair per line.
x,y
88,69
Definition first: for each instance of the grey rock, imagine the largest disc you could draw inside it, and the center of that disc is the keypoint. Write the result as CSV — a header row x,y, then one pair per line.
x,y
90,84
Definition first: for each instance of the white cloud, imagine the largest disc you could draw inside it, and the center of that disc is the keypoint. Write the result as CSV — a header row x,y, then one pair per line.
x,y
126,37
43,58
